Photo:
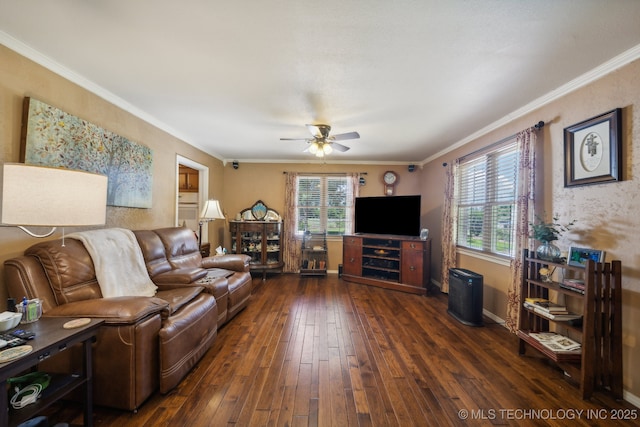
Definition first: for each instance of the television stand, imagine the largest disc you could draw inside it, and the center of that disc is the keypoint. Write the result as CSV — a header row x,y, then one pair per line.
x,y
400,263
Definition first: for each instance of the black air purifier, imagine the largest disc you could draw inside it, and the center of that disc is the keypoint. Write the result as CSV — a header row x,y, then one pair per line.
x,y
465,296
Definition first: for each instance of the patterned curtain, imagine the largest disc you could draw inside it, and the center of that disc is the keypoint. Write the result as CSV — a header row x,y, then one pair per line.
x,y
354,180
291,253
525,208
449,226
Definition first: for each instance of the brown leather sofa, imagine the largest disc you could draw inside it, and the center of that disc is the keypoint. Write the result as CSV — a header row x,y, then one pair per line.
x,y
146,343
173,258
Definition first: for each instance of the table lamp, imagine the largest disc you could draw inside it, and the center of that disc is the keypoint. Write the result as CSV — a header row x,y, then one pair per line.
x,y
210,212
37,196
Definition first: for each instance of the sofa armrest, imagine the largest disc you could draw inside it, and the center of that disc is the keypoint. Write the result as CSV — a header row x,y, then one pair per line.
x,y
116,310
218,287
235,262
180,275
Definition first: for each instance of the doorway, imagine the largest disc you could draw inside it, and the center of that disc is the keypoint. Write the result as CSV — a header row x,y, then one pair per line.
x,y
191,192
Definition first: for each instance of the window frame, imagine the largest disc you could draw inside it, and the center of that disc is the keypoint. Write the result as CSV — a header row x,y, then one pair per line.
x,y
325,205
492,199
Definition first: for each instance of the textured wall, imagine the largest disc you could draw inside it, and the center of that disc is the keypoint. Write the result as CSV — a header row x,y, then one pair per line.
x,y
607,214
20,77
265,181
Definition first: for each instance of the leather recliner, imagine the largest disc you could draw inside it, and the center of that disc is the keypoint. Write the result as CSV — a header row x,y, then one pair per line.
x,y
145,344
172,257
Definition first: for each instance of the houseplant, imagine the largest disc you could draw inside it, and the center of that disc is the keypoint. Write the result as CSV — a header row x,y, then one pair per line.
x,y
546,232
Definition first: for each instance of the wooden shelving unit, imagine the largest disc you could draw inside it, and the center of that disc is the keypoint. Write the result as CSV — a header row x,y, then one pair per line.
x,y
314,254
599,365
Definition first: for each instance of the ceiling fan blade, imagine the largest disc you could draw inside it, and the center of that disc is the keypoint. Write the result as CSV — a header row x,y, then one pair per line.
x,y
314,130
339,147
345,136
319,131
294,139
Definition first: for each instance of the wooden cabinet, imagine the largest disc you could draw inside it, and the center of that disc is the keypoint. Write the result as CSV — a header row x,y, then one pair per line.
x,y
188,179
261,241
393,262
412,266
352,256
598,364
313,254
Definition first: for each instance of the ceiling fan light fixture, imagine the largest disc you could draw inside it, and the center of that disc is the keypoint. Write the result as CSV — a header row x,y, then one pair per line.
x,y
321,144
313,147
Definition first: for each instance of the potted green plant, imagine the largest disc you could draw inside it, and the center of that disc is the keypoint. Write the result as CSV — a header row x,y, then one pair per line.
x,y
546,232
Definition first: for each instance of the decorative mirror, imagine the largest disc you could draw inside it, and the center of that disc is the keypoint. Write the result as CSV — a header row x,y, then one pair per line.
x,y
259,212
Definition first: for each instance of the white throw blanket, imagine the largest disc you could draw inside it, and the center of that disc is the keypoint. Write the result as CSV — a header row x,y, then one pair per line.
x,y
118,260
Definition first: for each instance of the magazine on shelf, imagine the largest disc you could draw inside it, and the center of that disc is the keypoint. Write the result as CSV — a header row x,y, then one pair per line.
x,y
575,285
571,288
556,342
578,283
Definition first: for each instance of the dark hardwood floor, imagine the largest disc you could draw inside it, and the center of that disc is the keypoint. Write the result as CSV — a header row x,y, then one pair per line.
x,y
324,352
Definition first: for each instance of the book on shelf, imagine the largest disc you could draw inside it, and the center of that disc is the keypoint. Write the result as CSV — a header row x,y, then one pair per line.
x,y
557,316
532,300
572,289
546,305
576,285
574,282
556,342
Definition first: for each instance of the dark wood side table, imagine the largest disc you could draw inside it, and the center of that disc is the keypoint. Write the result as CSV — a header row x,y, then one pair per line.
x,y
205,250
51,338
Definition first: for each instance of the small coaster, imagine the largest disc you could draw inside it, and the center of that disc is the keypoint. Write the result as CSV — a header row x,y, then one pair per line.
x,y
76,323
14,353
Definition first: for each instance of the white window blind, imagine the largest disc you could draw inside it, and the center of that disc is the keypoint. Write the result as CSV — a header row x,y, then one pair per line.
x,y
324,203
487,191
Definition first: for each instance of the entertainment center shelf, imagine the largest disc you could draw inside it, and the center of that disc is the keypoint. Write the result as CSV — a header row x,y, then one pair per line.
x,y
394,262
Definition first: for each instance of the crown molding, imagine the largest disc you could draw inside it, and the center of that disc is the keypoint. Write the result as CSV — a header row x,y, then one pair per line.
x,y
55,67
581,81
600,71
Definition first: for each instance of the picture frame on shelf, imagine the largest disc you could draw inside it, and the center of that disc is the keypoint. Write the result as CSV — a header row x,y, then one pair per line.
x,y
593,150
578,256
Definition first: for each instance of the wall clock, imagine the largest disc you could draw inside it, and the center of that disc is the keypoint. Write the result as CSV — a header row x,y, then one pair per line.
x,y
390,179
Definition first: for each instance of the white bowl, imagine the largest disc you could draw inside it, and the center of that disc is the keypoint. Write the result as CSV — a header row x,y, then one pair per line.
x,y
9,320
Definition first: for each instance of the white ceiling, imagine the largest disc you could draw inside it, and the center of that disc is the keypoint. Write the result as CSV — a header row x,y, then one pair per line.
x,y
413,77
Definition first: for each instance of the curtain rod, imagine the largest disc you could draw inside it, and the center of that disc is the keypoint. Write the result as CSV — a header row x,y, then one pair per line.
x,y
324,173
537,126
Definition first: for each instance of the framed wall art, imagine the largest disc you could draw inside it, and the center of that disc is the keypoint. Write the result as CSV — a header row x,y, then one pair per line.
x,y
52,137
593,150
578,256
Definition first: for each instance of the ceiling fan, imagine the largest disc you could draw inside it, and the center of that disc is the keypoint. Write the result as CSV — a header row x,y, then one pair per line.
x,y
321,143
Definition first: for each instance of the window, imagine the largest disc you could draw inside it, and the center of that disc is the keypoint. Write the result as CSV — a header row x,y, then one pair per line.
x,y
324,203
487,201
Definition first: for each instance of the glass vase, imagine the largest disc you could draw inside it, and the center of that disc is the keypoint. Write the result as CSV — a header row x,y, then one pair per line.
x,y
547,251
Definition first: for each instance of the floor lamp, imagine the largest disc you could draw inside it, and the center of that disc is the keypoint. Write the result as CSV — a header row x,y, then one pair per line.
x,y
210,212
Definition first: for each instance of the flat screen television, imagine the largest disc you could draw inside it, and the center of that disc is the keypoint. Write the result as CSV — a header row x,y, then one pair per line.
x,y
398,215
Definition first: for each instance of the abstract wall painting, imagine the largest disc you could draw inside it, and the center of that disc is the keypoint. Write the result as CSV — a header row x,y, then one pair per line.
x,y
51,137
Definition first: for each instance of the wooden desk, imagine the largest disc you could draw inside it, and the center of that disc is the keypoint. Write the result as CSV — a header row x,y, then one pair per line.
x,y
51,338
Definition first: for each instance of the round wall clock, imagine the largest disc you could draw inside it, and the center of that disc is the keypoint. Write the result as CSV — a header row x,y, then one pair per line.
x,y
390,179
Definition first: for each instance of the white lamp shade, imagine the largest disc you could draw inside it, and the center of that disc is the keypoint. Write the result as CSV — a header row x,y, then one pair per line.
x,y
211,211
54,197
